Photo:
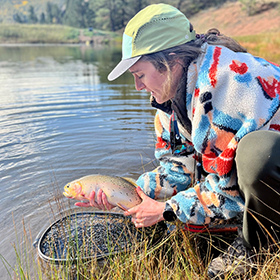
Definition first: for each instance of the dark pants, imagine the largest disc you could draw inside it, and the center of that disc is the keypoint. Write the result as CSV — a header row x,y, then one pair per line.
x,y
258,172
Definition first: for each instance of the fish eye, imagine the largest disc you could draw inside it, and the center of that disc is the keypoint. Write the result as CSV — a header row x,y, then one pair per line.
x,y
67,186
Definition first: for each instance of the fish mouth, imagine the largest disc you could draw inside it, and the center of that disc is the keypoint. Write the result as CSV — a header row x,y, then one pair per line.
x,y
67,195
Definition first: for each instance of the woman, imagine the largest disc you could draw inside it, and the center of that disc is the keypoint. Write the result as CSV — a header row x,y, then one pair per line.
x,y
216,105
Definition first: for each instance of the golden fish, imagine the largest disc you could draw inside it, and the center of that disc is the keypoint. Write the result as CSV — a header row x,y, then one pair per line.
x,y
119,191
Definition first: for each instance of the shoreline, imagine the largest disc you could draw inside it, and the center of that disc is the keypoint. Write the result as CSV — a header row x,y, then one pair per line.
x,y
54,44
54,34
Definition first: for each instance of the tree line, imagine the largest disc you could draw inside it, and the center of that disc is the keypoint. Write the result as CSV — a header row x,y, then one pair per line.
x,y
111,15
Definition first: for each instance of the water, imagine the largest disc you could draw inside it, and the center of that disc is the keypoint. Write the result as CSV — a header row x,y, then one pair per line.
x,y
61,119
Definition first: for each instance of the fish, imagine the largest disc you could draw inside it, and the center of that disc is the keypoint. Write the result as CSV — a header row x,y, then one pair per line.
x,y
120,191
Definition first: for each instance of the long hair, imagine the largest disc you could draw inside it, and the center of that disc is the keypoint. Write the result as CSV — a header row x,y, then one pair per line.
x,y
184,54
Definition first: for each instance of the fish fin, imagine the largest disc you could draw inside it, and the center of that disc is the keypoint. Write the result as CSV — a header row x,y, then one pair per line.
x,y
122,207
130,180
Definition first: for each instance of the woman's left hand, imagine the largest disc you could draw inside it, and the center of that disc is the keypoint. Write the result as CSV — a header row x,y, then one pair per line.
x,y
147,213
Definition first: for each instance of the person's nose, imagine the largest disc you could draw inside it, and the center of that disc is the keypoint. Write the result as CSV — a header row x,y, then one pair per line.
x,y
138,84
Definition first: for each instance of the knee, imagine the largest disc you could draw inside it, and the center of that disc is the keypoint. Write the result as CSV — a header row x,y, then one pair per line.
x,y
257,155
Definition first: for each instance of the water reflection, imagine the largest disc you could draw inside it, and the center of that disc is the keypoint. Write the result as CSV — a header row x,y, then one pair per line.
x,y
61,119
105,58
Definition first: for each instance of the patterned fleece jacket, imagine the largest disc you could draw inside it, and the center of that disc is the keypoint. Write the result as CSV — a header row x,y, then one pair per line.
x,y
228,95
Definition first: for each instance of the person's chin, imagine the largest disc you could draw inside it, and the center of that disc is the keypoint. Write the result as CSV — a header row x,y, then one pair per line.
x,y
158,100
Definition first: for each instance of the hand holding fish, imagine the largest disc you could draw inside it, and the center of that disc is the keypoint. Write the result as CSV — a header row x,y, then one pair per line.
x,y
100,203
106,192
103,192
148,212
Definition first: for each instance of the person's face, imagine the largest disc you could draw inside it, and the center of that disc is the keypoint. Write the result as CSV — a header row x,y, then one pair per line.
x,y
147,77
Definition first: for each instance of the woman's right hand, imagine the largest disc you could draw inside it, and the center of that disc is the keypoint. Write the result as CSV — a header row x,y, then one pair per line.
x,y
101,201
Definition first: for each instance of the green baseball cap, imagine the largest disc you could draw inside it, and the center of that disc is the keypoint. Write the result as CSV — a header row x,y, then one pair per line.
x,y
155,28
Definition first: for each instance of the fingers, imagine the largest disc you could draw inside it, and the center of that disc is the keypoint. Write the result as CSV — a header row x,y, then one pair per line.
x,y
102,201
140,192
138,222
83,204
147,213
89,203
105,202
99,198
138,225
99,201
137,218
131,211
92,199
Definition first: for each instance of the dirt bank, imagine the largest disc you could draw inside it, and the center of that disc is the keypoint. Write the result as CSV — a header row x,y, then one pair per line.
x,y
231,19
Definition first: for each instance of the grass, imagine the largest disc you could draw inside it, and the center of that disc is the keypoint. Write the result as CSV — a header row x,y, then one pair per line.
x,y
266,45
52,34
23,33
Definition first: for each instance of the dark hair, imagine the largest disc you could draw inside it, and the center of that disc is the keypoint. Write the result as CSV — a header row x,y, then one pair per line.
x,y
188,52
214,37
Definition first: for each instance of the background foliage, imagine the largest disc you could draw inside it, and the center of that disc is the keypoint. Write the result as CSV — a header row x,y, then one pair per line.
x,y
111,15
100,14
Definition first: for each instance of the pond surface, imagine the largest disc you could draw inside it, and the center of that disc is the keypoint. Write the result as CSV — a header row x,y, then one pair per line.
x,y
60,119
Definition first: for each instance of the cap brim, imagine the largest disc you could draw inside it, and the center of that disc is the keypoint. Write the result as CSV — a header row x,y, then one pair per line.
x,y
123,66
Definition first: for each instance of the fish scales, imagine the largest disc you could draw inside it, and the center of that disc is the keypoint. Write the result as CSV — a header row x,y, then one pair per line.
x,y
119,191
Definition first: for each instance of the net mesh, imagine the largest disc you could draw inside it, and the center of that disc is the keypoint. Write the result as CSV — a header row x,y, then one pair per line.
x,y
91,235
